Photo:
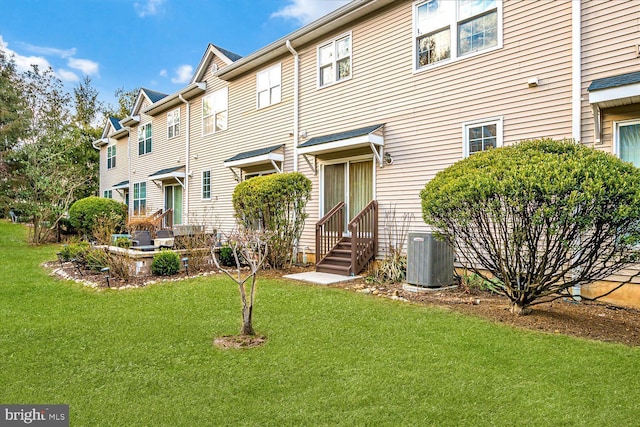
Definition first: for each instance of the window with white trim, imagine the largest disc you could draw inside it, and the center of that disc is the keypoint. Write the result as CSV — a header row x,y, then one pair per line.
x,y
111,156
627,141
268,86
173,123
482,135
447,30
108,194
214,111
334,61
206,185
144,139
139,198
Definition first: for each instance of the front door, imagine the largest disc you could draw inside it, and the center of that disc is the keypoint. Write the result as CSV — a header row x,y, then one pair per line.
x,y
173,200
350,182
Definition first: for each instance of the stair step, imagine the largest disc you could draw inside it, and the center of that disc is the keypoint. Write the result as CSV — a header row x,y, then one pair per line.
x,y
332,269
336,260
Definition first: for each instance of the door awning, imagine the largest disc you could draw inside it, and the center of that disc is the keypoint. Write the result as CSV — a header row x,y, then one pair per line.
x,y
176,173
268,156
369,136
613,91
124,185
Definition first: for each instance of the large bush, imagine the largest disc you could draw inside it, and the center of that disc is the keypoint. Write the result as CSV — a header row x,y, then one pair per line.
x,y
274,203
89,213
541,216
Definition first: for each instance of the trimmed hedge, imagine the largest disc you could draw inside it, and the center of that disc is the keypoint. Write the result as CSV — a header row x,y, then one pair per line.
x,y
275,203
165,263
85,213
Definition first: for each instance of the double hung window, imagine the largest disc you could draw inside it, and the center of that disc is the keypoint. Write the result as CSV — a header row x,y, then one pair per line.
x,y
334,61
206,185
144,139
268,86
214,112
173,123
111,157
139,198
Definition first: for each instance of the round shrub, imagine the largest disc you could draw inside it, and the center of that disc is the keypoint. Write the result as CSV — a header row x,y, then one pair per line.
x,y
165,263
540,216
226,257
85,213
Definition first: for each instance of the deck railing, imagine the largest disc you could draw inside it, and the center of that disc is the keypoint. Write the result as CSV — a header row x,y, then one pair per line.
x,y
329,231
364,236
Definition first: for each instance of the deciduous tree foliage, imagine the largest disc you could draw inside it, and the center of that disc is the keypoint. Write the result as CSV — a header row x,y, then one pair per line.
x,y
275,203
540,216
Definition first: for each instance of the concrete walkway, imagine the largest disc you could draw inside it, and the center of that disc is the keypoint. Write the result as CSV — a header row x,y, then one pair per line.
x,y
320,278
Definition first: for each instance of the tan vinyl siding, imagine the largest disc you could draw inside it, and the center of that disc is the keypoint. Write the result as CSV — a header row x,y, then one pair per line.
x,y
610,35
110,177
248,129
424,111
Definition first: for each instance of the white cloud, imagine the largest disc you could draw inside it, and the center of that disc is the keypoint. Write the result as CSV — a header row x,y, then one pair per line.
x,y
183,74
23,63
49,51
306,11
163,73
148,7
66,75
87,66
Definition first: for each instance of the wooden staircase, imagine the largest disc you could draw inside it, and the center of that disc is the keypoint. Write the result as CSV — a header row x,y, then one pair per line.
x,y
338,260
346,256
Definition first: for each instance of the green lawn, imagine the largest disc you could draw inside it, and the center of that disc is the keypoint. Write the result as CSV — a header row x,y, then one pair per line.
x,y
144,357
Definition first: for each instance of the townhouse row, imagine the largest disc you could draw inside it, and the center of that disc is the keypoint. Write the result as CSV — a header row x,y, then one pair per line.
x,y
373,99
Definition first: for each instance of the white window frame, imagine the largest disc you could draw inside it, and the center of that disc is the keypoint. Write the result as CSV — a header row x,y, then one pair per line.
x,y
173,123
265,172
616,133
334,43
273,89
143,138
453,21
498,121
107,194
206,186
111,156
219,101
137,212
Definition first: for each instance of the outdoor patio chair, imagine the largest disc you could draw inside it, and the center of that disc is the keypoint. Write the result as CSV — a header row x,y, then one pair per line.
x,y
164,239
141,241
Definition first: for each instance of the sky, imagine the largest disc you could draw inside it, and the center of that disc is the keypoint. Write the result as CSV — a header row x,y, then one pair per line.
x,y
156,44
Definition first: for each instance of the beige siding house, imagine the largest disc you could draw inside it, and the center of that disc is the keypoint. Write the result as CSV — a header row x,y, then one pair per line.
x,y
372,100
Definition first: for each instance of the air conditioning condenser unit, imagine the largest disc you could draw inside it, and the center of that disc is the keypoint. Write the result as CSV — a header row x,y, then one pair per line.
x,y
429,261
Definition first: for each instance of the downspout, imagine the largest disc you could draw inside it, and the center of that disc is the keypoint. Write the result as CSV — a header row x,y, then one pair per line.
x,y
296,124
576,69
296,101
187,154
130,206
576,85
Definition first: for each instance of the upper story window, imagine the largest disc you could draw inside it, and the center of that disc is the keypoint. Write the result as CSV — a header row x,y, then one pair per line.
x,y
482,135
144,139
214,111
268,86
111,156
447,30
173,123
334,61
206,185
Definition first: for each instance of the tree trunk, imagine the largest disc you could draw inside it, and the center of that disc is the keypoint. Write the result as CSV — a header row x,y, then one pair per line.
x,y
247,321
520,310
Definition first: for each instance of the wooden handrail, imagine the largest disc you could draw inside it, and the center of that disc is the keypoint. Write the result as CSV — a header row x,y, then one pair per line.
x,y
364,236
329,231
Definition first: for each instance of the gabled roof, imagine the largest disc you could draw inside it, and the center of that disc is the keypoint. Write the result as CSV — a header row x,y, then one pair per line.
x,y
615,81
115,122
111,127
151,95
213,50
176,98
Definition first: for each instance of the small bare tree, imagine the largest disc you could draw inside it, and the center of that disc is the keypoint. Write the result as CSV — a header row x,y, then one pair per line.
x,y
249,248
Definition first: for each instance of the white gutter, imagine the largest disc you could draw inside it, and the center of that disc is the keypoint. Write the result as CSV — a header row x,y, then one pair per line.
x,y
576,69
187,154
296,101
